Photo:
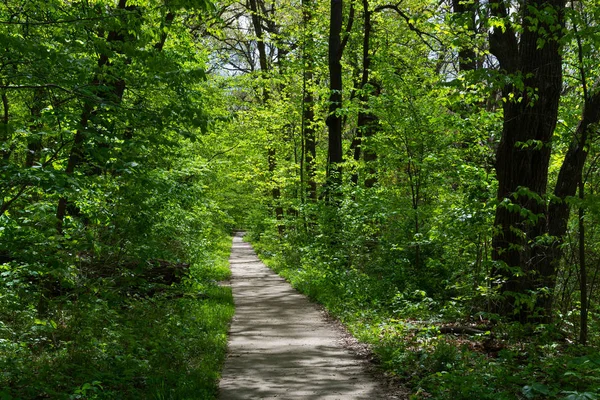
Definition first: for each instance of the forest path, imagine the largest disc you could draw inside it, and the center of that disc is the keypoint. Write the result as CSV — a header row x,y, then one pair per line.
x,y
281,346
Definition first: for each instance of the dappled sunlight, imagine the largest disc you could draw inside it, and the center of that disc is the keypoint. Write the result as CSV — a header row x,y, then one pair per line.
x,y
281,345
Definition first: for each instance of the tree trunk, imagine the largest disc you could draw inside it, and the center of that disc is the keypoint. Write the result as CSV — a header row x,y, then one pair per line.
x,y
75,157
367,121
334,119
264,67
465,14
34,145
77,149
583,320
308,103
310,143
5,128
522,159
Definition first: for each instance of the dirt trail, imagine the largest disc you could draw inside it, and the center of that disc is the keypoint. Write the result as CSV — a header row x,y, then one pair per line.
x,y
281,346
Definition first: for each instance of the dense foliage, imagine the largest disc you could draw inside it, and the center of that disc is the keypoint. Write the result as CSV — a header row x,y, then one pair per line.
x,y
113,235
441,201
428,170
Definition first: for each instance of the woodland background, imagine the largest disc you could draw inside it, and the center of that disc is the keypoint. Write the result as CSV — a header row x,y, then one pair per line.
x,y
428,170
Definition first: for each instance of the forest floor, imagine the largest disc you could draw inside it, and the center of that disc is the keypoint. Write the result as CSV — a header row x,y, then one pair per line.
x,y
282,346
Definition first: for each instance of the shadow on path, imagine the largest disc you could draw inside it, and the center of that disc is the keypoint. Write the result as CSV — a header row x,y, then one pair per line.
x,y
280,344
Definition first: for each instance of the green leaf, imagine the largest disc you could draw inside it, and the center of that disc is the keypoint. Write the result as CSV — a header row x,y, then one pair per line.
x,y
531,391
580,395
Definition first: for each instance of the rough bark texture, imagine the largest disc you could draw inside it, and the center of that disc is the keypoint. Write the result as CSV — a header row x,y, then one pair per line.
x,y
529,232
522,157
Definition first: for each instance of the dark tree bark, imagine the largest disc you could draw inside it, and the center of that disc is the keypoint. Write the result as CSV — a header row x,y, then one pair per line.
x,y
308,102
310,143
75,157
572,166
334,120
367,121
529,233
523,155
465,13
264,67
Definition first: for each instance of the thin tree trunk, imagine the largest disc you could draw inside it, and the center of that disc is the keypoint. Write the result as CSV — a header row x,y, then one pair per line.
x,y
367,121
75,157
465,12
34,145
334,119
264,67
77,149
582,269
310,143
6,132
308,103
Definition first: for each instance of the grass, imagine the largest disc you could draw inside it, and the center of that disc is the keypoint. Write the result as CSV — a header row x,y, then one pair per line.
x,y
107,345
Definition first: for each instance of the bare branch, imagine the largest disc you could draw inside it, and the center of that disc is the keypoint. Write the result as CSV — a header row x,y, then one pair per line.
x,y
410,24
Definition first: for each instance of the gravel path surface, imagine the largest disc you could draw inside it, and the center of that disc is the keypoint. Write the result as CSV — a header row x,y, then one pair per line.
x,y
281,346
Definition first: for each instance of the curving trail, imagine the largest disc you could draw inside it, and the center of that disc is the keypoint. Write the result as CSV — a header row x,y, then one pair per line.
x,y
281,346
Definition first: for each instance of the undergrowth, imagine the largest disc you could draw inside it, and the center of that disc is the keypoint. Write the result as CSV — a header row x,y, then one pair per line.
x,y
100,342
505,361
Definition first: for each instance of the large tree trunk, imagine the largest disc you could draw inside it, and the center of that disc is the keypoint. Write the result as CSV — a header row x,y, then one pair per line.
x,y
522,159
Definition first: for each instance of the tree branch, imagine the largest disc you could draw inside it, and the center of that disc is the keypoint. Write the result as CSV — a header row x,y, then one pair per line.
x,y
503,40
45,86
220,153
348,29
64,21
411,26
